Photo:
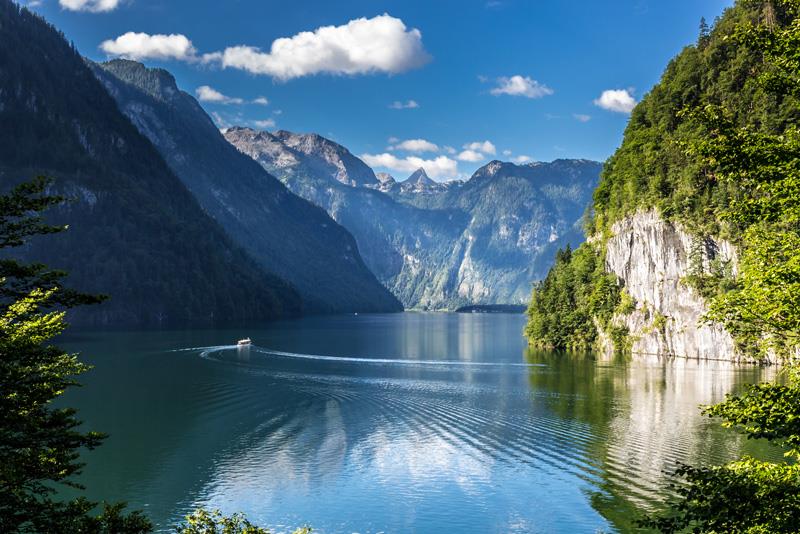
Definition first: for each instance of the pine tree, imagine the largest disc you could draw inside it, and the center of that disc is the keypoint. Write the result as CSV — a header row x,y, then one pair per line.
x,y
705,33
39,443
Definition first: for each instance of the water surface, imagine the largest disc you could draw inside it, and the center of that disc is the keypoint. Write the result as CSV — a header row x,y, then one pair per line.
x,y
421,423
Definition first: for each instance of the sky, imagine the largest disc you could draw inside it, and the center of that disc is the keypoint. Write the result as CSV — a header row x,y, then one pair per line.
x,y
448,85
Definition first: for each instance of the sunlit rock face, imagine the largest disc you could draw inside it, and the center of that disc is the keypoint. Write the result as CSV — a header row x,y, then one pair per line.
x,y
438,245
653,257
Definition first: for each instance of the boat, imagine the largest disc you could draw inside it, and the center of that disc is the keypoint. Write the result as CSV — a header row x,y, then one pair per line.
x,y
244,342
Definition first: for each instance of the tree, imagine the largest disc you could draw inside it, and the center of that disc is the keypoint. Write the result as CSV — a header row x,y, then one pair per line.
x,y
763,311
39,443
704,34
204,522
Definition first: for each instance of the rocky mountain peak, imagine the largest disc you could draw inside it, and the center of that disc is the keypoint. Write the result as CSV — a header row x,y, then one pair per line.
x,y
385,178
158,83
420,177
312,154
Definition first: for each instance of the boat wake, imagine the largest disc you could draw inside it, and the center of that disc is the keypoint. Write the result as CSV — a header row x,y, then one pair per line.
x,y
210,352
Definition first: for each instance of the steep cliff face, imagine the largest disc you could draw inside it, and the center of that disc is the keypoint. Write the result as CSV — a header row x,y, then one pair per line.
x,y
653,258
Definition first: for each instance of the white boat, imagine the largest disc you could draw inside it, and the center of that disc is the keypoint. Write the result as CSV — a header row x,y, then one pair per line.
x,y
244,342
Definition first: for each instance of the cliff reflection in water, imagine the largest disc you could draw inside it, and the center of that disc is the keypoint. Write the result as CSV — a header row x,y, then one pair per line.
x,y
645,415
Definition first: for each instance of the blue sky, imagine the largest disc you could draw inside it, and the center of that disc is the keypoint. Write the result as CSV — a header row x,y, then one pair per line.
x,y
526,76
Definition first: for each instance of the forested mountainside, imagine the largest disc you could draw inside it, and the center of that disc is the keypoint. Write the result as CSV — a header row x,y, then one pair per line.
x,y
284,233
438,246
665,240
135,231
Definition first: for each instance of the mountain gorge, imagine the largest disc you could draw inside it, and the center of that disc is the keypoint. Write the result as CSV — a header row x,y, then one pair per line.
x,y
284,233
135,232
437,245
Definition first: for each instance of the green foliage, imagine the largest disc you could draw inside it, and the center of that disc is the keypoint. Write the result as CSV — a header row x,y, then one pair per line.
x,y
204,522
747,496
657,165
39,443
564,306
763,311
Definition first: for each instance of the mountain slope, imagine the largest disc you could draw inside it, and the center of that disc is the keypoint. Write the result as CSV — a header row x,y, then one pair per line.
x,y
286,234
457,244
135,232
659,211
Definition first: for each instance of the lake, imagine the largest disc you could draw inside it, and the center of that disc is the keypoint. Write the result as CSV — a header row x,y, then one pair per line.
x,y
412,422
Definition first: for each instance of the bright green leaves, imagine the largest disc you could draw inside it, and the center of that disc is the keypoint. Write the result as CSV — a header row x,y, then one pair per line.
x,y
564,306
39,443
768,411
747,496
204,522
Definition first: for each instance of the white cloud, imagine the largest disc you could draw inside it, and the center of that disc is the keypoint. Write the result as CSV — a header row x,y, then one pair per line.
x,y
507,153
619,100
144,46
267,123
471,156
449,149
408,104
277,112
415,145
581,117
209,94
93,6
379,44
521,86
487,147
261,101
519,160
440,167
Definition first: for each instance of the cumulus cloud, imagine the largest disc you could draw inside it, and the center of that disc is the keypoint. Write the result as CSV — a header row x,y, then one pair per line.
x,y
521,86
379,44
414,145
440,167
471,156
408,104
619,100
449,149
261,101
209,94
519,160
93,6
507,153
266,123
581,117
145,46
487,147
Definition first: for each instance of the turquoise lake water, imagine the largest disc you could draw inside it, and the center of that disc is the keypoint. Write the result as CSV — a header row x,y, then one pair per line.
x,y
412,422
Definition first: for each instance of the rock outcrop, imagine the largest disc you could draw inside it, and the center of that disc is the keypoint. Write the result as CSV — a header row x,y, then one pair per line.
x,y
652,258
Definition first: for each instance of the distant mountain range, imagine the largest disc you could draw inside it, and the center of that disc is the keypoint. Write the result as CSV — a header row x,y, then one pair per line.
x,y
180,226
438,245
285,234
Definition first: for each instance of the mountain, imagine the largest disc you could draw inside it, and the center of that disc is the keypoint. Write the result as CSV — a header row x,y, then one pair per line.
x,y
419,182
135,232
284,233
385,182
477,242
662,246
